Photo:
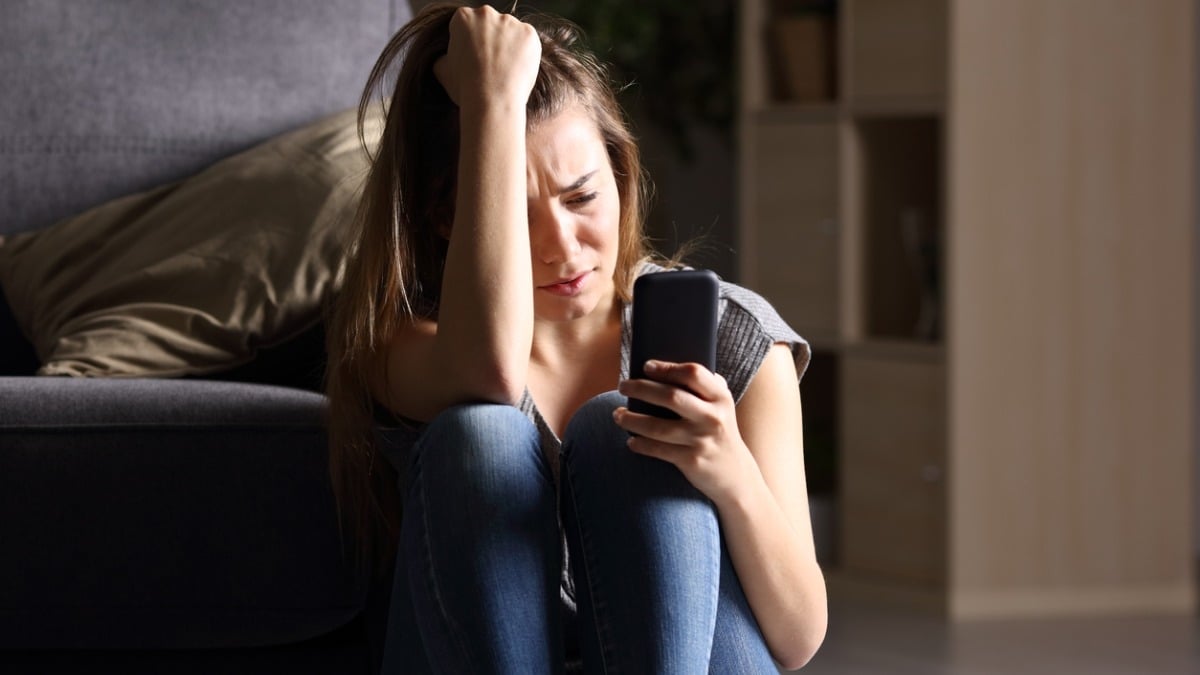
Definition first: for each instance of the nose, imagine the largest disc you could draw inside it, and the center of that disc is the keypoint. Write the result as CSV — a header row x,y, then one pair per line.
x,y
552,234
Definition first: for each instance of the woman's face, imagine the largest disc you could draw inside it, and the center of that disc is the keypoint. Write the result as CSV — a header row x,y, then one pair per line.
x,y
574,216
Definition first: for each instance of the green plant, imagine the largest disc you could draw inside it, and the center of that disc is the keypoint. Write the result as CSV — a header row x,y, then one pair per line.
x,y
674,57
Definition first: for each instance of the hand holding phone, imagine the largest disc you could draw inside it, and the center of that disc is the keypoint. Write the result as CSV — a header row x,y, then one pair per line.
x,y
674,319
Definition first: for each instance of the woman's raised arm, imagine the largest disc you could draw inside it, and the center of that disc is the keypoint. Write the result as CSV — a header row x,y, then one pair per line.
x,y
479,348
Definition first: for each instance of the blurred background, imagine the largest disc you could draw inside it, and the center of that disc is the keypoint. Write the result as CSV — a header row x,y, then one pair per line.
x,y
983,216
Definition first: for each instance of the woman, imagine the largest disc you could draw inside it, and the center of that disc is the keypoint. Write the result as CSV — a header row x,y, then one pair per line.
x,y
483,316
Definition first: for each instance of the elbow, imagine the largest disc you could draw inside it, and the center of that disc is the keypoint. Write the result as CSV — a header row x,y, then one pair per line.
x,y
800,639
483,376
500,395
502,386
798,660
798,657
803,648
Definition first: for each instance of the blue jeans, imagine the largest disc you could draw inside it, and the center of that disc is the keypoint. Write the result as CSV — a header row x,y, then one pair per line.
x,y
478,574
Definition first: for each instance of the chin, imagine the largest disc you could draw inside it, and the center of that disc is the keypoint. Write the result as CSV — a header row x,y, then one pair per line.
x,y
565,309
559,309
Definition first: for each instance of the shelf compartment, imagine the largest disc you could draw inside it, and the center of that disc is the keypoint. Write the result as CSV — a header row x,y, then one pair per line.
x,y
800,39
897,171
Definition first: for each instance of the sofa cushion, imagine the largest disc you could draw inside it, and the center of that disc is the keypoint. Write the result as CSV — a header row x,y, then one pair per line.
x,y
195,276
166,514
104,98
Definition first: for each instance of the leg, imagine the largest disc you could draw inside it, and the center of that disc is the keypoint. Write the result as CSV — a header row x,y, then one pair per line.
x,y
645,546
738,644
479,548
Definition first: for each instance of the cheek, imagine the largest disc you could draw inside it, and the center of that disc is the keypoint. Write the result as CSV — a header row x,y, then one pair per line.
x,y
611,222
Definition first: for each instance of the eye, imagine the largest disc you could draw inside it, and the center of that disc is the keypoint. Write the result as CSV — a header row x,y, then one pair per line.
x,y
582,199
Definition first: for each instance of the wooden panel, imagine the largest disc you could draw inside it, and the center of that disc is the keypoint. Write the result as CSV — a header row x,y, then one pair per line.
x,y
892,469
853,269
895,50
793,196
752,25
1071,315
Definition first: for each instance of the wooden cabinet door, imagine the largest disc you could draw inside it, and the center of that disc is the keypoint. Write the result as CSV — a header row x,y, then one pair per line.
x,y
893,450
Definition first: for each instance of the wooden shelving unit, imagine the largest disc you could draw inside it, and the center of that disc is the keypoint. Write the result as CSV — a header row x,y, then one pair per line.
x,y
971,225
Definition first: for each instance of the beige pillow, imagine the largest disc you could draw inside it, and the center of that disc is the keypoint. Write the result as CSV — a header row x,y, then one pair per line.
x,y
195,276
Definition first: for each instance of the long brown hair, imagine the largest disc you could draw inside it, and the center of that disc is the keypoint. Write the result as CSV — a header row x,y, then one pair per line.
x,y
394,265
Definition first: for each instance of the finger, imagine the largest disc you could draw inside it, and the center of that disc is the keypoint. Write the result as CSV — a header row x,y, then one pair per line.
x,y
694,377
673,432
650,447
675,398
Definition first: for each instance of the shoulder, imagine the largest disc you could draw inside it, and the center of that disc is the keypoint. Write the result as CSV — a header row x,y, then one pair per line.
x,y
747,329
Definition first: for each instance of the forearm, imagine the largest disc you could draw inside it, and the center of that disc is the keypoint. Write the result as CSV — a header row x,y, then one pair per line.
x,y
778,571
485,323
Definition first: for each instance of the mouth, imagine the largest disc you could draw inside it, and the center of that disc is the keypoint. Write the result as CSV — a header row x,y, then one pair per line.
x,y
568,286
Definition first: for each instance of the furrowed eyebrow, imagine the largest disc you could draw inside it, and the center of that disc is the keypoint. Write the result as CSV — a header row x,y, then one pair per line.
x,y
577,184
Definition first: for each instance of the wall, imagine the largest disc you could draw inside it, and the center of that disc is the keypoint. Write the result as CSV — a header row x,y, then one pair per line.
x,y
1072,356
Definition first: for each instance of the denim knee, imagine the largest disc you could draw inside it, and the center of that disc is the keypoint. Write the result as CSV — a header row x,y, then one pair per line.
x,y
595,450
592,426
480,442
478,423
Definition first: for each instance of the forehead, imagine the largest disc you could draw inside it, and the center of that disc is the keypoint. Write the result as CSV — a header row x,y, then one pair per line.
x,y
566,137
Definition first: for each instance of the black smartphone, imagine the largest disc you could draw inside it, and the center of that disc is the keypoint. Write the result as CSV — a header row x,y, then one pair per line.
x,y
674,319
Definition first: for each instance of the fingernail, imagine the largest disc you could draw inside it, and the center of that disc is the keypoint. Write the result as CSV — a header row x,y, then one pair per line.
x,y
653,365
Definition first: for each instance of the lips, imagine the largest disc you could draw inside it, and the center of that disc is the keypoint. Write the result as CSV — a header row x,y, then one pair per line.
x,y
568,286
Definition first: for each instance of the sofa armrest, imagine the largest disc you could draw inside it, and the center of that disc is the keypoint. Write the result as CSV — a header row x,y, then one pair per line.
x,y
166,514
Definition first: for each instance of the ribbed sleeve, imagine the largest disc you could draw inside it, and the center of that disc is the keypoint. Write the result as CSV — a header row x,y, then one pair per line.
x,y
748,327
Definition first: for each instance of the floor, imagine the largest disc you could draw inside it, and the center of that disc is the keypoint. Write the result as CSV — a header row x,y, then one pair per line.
x,y
870,635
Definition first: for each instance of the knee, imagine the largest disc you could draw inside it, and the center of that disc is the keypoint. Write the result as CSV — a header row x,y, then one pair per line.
x,y
479,421
469,437
593,444
592,426
595,453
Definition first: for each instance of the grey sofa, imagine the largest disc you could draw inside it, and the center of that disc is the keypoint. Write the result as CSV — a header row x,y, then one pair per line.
x,y
176,525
